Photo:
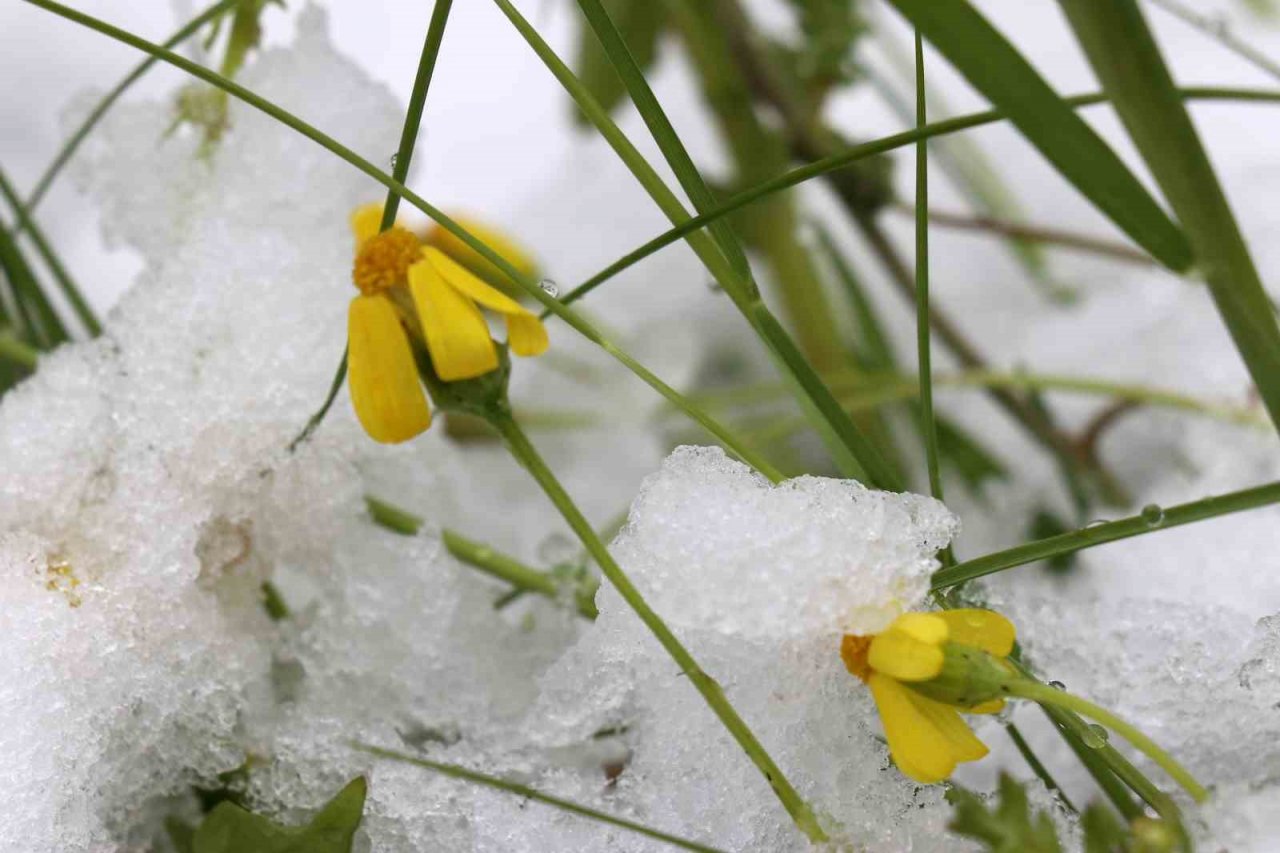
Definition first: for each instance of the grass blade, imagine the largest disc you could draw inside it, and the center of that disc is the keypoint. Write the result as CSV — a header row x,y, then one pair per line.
x,y
1127,60
998,71
457,772
928,428
1151,519
640,22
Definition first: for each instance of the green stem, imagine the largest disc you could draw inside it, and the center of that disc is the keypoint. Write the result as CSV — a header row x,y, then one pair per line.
x,y
928,427
392,517
417,99
1047,695
100,109
40,321
511,570
854,454
712,693
1149,520
572,318
456,772
844,158
1037,767
14,350
1098,762
60,274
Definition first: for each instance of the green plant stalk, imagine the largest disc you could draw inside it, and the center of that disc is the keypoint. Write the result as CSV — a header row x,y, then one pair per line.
x,y
712,693
17,352
1144,522
841,159
853,453
928,427
1127,60
100,109
417,100
1038,768
629,71
400,173
457,772
511,570
1046,695
479,556
572,318
1099,764
25,222
39,319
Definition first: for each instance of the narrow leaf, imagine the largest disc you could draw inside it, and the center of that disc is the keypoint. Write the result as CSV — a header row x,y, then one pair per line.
x,y
995,68
232,829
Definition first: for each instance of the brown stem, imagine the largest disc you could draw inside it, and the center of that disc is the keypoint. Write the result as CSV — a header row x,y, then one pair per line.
x,y
1032,233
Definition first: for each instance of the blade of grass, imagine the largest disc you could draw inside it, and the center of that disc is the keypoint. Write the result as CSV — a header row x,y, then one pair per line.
x,y
400,172
16,352
660,127
1151,519
854,454
928,428
572,318
997,70
1126,58
90,121
457,772
41,323
863,151
72,293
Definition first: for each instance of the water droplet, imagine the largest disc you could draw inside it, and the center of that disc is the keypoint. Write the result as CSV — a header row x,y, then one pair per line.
x,y
1095,737
549,287
395,158
1057,685
1153,515
1097,522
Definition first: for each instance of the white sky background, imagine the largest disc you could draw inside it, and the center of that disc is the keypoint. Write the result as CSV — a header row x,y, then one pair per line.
x,y
497,140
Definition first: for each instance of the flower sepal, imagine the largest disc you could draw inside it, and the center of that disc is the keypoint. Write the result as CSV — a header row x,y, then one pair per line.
x,y
970,678
484,396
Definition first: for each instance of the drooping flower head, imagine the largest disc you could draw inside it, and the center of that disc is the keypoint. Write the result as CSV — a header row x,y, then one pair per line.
x,y
922,671
414,296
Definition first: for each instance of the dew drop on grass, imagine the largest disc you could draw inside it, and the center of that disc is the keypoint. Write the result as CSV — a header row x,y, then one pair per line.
x,y
395,160
1095,737
1153,515
1097,522
549,287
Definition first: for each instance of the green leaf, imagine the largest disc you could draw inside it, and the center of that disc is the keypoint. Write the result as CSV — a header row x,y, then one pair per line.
x,y
231,829
995,68
1103,831
1127,60
640,22
1010,827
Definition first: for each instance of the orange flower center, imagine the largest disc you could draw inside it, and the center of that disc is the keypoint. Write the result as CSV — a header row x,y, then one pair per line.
x,y
384,260
853,651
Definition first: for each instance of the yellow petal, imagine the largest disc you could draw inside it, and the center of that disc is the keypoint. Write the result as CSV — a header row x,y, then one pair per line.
x,y
965,745
457,336
381,375
898,654
983,629
506,248
366,221
919,748
925,627
991,706
526,335
525,332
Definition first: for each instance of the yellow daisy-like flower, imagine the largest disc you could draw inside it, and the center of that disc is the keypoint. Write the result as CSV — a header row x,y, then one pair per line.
x,y
919,672
411,290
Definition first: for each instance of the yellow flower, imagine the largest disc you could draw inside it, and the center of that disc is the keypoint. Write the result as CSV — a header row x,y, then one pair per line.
x,y
922,669
411,293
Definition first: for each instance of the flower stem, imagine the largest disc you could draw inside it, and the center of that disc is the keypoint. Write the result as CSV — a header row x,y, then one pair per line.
x,y
524,451
1047,695
511,570
457,772
1150,519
